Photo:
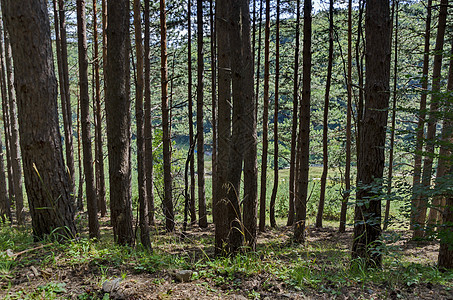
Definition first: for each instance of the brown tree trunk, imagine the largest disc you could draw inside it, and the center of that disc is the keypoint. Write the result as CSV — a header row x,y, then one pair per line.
x,y
304,130
258,64
117,107
276,96
265,144
148,132
325,127
421,204
213,101
222,225
292,164
14,132
250,136
142,180
99,153
393,118
193,215
347,173
202,218
93,225
46,180
166,138
66,101
445,259
420,131
359,62
367,227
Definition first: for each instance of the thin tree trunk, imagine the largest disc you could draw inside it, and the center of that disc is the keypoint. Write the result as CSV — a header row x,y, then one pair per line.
x,y
66,102
93,225
445,259
148,132
359,62
222,225
202,218
304,131
142,180
292,164
420,131
214,101
393,120
79,156
99,158
14,132
276,96
267,30
347,173
258,64
325,128
371,159
421,205
166,138
117,107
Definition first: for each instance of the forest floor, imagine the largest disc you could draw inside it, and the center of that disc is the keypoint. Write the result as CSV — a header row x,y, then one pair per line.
x,y
320,269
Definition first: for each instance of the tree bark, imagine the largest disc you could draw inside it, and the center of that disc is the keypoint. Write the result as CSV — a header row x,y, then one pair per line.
x,y
99,153
213,101
14,147
393,118
148,131
93,225
276,99
367,227
292,164
117,107
142,180
304,130
46,180
166,137
202,218
267,30
325,127
66,102
347,173
258,64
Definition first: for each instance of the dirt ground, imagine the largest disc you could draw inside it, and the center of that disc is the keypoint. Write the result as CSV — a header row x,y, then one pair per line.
x,y
86,281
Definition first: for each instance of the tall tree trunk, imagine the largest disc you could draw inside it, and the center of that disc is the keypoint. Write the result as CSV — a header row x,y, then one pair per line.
x,y
117,107
359,62
213,101
267,30
393,118
276,96
193,215
142,180
93,225
202,218
250,135
445,259
14,131
166,137
304,130
367,227
325,127
258,63
347,173
420,131
6,120
222,225
421,205
66,102
79,156
292,164
148,131
46,180
99,153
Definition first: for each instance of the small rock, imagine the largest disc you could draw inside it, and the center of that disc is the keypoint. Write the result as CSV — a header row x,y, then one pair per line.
x,y
183,275
111,285
10,253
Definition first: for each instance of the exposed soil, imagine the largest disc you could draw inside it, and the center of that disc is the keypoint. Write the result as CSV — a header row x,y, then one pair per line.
x,y
85,281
